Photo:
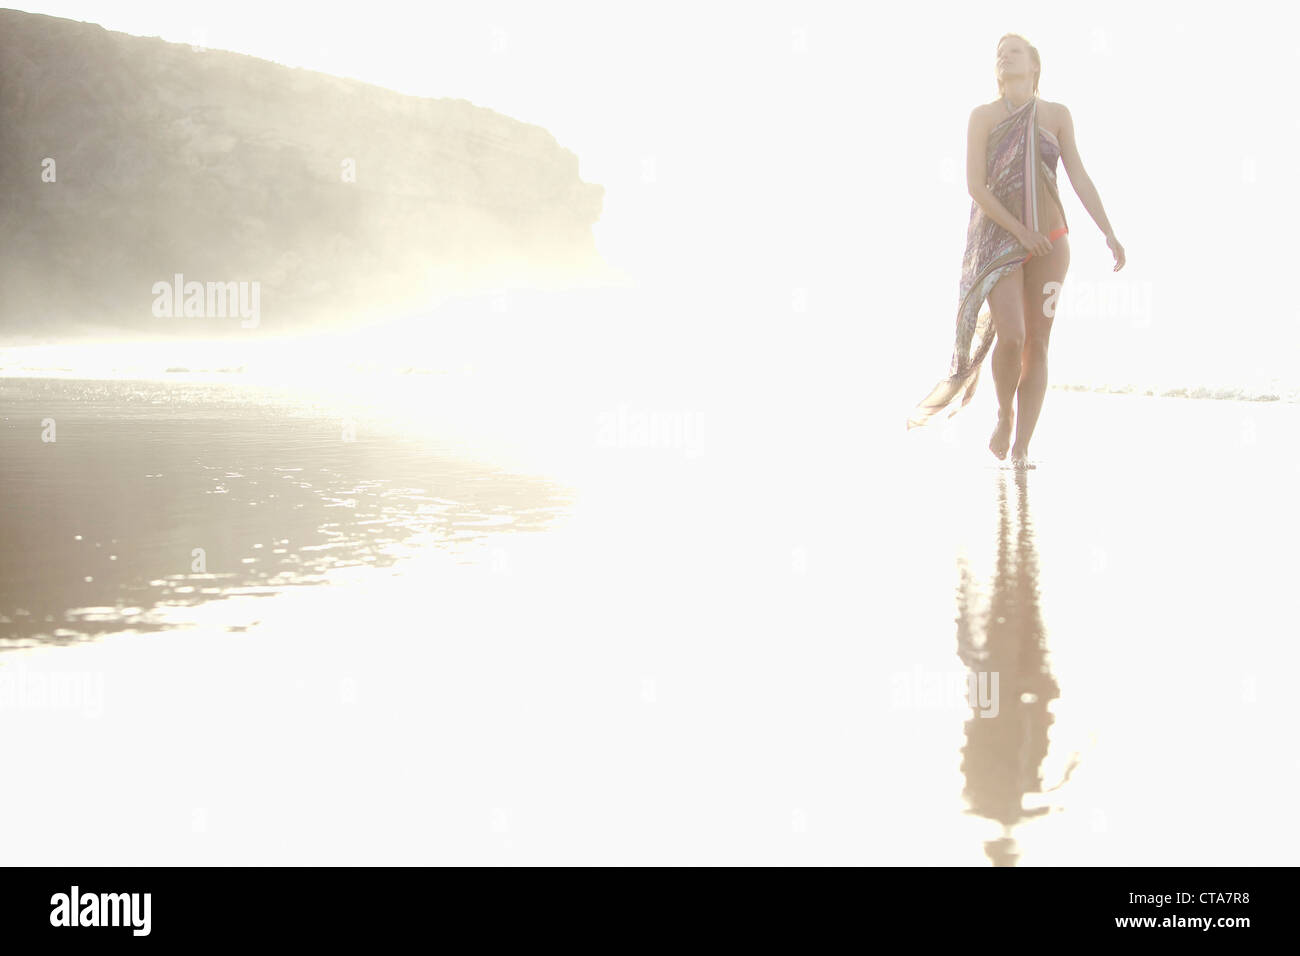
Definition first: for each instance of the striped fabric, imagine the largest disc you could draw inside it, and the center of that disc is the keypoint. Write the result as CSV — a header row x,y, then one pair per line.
x,y
1017,167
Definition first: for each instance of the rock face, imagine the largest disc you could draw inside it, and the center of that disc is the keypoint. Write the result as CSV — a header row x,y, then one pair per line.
x,y
341,200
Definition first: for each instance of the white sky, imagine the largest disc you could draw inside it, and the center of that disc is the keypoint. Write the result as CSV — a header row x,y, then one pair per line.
x,y
837,169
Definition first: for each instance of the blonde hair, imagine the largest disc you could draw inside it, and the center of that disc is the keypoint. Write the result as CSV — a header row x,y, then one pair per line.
x,y
1033,55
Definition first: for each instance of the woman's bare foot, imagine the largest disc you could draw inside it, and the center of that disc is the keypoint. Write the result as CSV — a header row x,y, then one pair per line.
x,y
1020,458
1001,439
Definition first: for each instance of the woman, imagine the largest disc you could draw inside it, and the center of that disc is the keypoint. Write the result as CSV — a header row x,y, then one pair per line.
x,y
1016,248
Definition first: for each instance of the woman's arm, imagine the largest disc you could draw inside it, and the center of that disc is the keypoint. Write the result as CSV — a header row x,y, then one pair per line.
x,y
1083,185
977,185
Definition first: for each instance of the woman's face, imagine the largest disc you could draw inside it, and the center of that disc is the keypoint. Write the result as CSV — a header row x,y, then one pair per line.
x,y
1013,58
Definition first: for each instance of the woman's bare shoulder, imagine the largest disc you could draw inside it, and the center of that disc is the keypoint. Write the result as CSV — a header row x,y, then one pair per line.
x,y
985,114
1056,112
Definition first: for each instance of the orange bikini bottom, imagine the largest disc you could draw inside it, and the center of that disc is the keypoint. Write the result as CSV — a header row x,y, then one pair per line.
x,y
1052,236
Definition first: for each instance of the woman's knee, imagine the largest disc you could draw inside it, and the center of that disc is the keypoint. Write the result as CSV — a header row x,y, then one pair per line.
x,y
1034,348
1009,323
1012,339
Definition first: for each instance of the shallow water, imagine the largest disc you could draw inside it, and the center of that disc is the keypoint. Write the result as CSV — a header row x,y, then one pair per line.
x,y
152,499
746,641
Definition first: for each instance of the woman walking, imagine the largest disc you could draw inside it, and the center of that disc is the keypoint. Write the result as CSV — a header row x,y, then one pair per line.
x,y
1017,253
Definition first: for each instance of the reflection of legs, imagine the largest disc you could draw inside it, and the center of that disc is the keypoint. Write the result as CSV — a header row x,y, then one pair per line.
x,y
1038,271
1006,304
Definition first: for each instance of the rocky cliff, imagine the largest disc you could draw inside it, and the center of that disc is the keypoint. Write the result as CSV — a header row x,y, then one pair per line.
x,y
127,161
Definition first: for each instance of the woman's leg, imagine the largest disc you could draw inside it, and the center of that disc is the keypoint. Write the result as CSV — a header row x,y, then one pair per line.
x,y
1038,272
1007,305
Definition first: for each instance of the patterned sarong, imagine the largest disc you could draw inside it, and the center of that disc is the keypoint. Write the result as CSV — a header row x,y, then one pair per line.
x,y
1021,180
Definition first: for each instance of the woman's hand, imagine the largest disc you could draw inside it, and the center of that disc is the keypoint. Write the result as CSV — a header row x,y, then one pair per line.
x,y
1118,250
1035,243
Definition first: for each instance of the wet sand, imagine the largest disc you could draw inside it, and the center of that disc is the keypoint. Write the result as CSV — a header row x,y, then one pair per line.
x,y
750,645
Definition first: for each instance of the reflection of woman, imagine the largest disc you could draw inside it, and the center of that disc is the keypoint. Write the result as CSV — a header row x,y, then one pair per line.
x,y
1015,246
1003,754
